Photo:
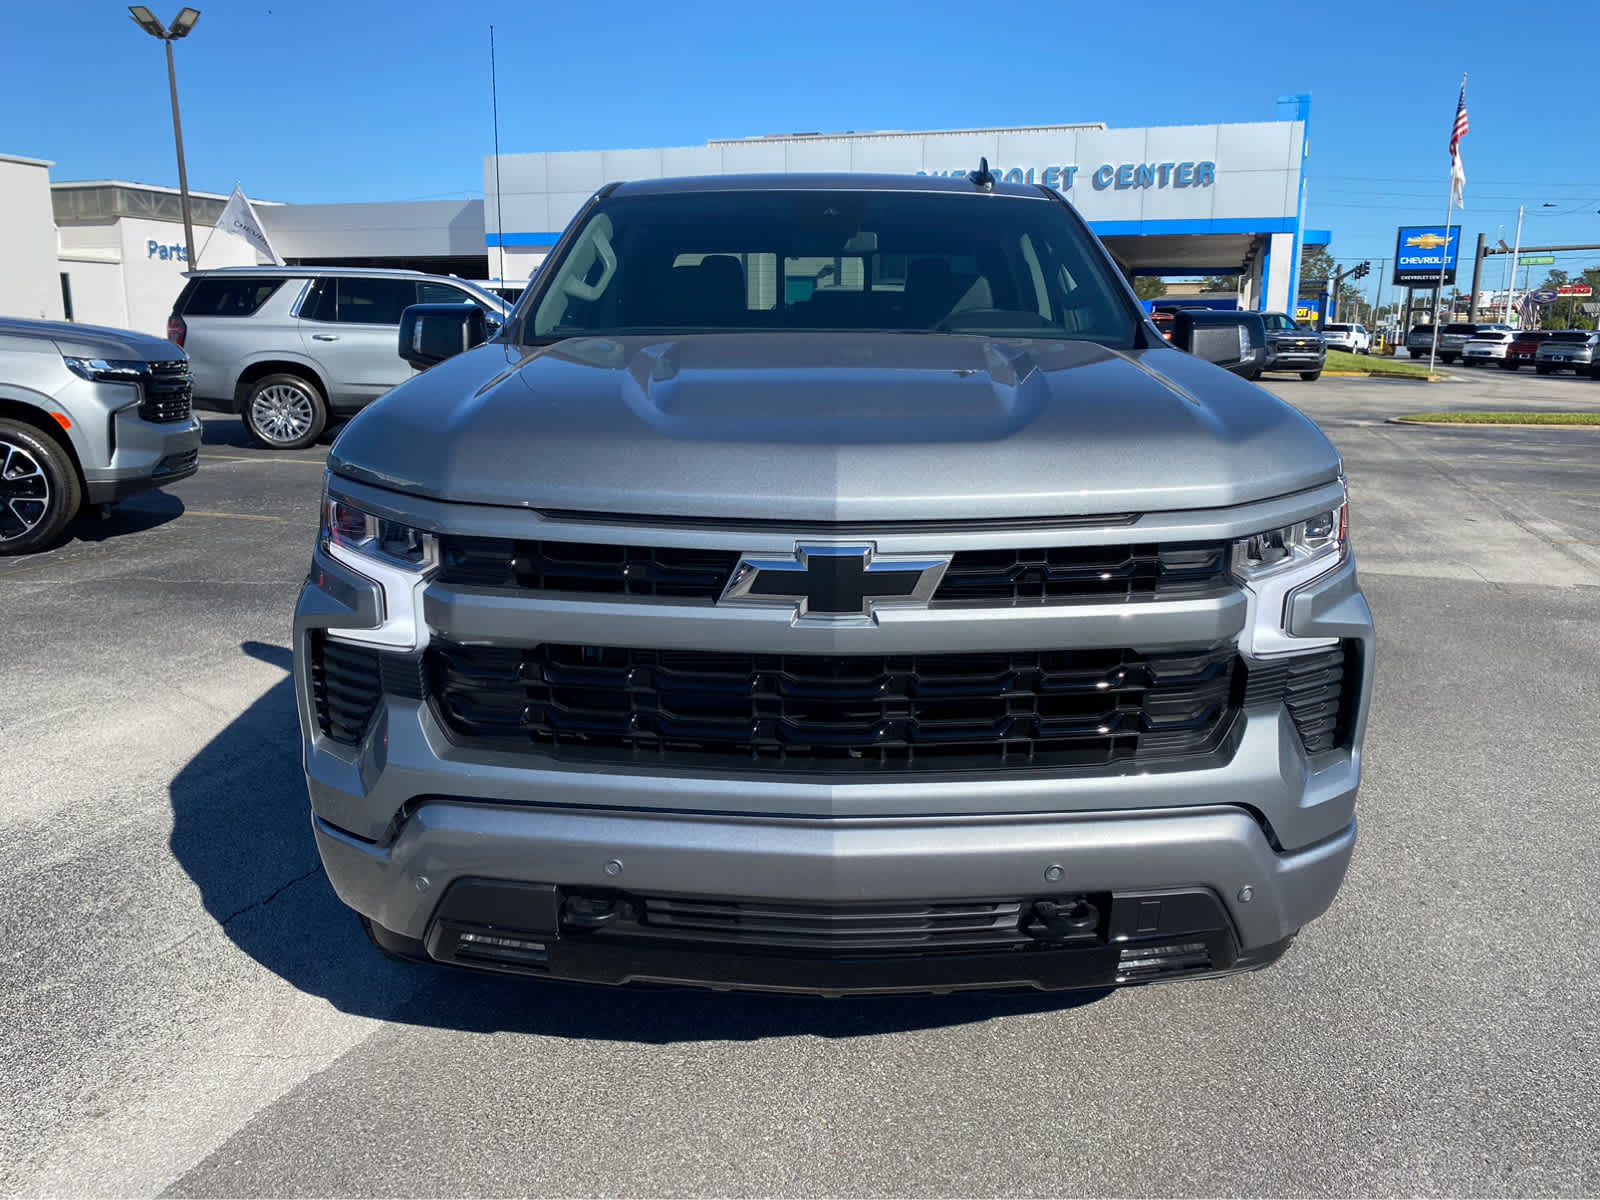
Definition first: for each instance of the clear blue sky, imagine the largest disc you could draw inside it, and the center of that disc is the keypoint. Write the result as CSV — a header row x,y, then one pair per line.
x,y
340,100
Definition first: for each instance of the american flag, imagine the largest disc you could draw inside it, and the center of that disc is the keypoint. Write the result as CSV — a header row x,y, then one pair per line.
x,y
1458,175
1528,312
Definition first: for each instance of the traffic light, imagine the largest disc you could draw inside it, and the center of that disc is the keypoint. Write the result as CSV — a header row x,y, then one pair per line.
x,y
1361,271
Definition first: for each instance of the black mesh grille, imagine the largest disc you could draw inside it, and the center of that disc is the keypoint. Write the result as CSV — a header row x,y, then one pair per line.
x,y
1314,688
346,686
836,928
1081,572
592,567
838,713
1007,576
168,393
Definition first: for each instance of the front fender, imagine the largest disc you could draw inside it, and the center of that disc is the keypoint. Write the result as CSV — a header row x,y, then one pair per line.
x,y
90,446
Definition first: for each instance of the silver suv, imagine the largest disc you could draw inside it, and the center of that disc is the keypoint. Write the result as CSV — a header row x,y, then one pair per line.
x,y
292,348
87,416
833,583
1569,350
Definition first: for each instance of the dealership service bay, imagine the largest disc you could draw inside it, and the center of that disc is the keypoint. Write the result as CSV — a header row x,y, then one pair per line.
x,y
189,1009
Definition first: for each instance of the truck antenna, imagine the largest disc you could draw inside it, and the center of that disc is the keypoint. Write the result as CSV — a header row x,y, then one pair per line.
x,y
982,177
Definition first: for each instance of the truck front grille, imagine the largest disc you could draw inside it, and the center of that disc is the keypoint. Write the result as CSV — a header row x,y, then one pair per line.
x,y
168,393
1317,689
837,713
1003,577
346,687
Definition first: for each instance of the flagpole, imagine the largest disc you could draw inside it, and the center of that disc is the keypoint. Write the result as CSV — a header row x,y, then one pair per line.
x,y
1444,257
1438,296
209,234
1515,253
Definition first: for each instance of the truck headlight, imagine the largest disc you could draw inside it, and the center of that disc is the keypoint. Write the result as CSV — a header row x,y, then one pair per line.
x,y
1274,563
109,370
395,557
1289,546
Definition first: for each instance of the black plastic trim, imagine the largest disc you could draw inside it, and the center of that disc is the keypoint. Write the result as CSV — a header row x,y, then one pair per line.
x,y
526,919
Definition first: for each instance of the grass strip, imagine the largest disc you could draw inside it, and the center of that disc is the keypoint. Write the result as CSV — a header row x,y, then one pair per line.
x,y
1377,365
1503,418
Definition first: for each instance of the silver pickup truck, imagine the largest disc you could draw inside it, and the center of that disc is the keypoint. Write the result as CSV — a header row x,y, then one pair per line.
x,y
832,584
88,416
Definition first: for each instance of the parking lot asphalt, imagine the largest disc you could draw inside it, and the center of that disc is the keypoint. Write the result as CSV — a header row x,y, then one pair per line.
x,y
189,1010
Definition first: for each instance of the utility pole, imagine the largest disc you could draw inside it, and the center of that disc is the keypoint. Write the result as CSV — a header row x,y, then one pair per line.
x,y
1477,280
181,25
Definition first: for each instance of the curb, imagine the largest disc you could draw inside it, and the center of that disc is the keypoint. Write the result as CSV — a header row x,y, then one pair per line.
x,y
1385,375
1480,424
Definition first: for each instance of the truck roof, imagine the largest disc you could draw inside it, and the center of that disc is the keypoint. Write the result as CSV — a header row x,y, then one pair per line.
x,y
777,182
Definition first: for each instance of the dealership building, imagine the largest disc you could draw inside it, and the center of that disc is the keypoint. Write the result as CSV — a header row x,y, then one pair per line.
x,y
1184,200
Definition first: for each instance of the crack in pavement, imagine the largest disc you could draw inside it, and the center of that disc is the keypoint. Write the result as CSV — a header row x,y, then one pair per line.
x,y
262,903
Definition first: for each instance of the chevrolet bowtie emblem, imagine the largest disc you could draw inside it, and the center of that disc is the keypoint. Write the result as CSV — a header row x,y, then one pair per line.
x,y
1428,241
835,582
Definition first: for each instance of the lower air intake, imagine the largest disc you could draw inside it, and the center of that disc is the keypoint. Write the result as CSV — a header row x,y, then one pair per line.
x,y
1158,962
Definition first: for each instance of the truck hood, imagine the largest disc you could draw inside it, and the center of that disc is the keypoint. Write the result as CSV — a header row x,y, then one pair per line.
x,y
846,427
95,341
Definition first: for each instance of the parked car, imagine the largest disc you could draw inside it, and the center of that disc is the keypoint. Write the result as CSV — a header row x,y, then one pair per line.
x,y
955,632
1293,347
1486,346
1453,338
292,348
1567,350
88,416
1522,348
1353,339
1163,318
1419,341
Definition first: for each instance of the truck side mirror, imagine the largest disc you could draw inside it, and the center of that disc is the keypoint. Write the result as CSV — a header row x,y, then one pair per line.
x,y
1234,341
431,333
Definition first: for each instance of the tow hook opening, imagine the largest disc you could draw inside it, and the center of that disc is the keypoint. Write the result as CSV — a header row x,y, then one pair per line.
x,y
1066,919
590,912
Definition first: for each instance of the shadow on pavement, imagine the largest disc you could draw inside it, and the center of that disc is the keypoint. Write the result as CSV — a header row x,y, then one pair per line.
x,y
241,829
137,514
224,430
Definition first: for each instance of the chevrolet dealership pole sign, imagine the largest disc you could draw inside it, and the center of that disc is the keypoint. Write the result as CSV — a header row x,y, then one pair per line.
x,y
1421,251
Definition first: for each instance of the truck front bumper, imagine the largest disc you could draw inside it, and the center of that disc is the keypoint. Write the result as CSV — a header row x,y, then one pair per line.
x,y
617,871
146,455
1297,360
490,887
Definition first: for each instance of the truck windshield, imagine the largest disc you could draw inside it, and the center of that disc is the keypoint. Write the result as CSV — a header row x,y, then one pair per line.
x,y
723,262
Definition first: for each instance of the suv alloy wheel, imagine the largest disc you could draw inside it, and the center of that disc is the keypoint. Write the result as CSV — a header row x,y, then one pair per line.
x,y
39,489
285,412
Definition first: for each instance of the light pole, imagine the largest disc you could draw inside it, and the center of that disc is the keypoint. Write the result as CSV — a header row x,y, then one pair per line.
x,y
181,25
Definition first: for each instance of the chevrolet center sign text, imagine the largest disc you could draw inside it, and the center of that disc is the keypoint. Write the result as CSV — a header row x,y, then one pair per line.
x,y
1419,252
1106,175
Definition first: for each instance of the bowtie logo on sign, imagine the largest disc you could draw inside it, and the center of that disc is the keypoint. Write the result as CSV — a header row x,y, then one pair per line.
x,y
1421,253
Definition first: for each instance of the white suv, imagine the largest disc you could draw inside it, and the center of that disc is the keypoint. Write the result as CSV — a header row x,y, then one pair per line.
x,y
1353,338
291,348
